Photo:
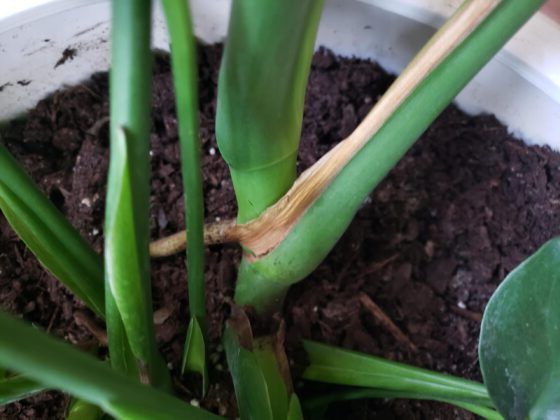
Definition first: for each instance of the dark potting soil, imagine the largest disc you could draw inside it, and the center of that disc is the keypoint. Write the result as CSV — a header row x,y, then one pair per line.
x,y
431,243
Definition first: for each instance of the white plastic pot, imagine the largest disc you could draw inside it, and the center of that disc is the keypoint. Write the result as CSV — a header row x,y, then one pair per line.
x,y
521,85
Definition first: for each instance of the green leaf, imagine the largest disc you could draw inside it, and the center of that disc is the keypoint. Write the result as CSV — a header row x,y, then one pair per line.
x,y
14,388
56,244
266,358
185,78
261,91
520,338
316,406
57,365
127,261
249,382
260,371
344,367
194,356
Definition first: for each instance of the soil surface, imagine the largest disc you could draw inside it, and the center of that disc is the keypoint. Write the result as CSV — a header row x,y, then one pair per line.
x,y
463,208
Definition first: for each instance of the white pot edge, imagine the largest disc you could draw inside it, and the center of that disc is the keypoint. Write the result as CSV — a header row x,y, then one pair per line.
x,y
521,86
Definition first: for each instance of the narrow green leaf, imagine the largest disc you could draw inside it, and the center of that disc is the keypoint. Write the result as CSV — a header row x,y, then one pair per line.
x,y
261,90
185,78
344,367
320,403
82,410
276,387
259,369
51,238
122,359
263,283
127,262
194,356
17,387
251,390
520,338
57,365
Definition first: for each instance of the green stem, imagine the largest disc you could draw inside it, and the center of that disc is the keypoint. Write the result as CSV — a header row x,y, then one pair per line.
x,y
127,261
256,190
261,91
264,281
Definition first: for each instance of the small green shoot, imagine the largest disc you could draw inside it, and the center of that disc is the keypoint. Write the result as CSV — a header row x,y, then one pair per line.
x,y
260,374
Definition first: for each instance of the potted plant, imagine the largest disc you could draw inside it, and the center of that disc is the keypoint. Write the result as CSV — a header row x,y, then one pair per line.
x,y
275,213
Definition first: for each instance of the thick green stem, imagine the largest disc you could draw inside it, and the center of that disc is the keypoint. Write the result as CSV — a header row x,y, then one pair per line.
x,y
318,229
260,96
257,189
323,401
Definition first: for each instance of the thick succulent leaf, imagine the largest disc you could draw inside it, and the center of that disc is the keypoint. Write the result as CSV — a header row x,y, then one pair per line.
x,y
520,338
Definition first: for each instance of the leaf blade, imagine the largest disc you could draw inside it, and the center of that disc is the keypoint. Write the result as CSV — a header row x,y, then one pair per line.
x,y
15,388
520,337
344,367
49,236
57,365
